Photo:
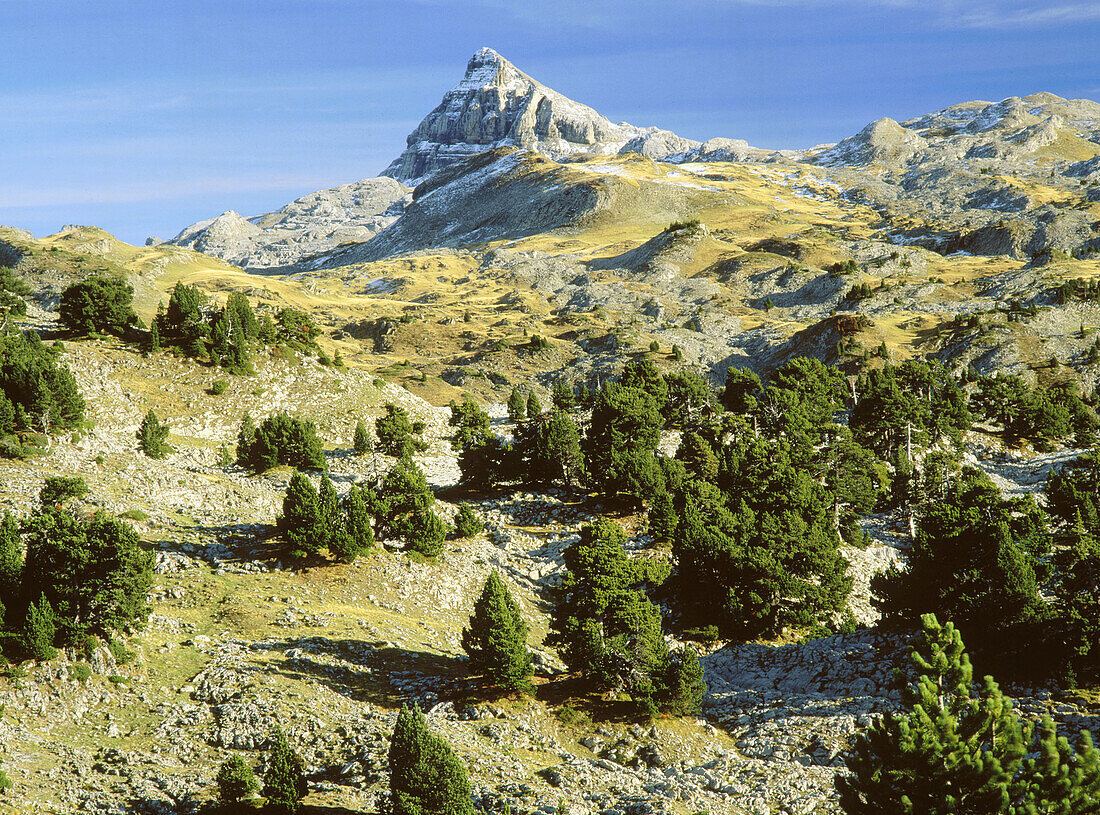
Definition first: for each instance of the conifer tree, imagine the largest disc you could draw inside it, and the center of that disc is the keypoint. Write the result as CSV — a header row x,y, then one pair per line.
x,y
397,436
151,436
11,560
426,777
246,438
975,558
496,640
534,406
1060,780
1076,587
603,625
662,517
405,509
285,780
563,398
362,438
682,686
236,780
467,522
517,406
357,535
39,630
95,573
301,523
952,751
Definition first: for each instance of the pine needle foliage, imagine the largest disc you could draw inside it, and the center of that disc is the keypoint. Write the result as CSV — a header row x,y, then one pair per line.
x,y
426,777
151,436
236,780
285,780
958,748
39,630
496,640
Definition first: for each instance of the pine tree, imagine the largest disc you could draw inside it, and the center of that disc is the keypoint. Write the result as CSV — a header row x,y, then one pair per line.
x,y
11,560
426,777
467,522
397,436
951,752
405,509
301,523
563,398
356,535
682,686
151,436
496,640
236,780
603,625
39,630
662,517
246,438
1076,587
517,407
975,558
285,780
95,573
362,438
534,407
1060,780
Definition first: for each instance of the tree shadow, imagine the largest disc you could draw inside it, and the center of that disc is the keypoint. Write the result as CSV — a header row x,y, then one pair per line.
x,y
375,672
576,692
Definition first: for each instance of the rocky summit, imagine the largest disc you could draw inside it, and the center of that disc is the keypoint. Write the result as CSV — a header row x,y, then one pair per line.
x,y
699,413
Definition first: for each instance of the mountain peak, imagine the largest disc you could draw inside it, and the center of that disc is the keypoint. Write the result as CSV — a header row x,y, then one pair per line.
x,y
486,67
497,105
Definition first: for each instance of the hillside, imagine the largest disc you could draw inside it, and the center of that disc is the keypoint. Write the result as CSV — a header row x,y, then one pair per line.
x,y
525,246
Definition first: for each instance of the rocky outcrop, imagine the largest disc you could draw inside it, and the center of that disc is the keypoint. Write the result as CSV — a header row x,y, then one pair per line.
x,y
498,105
882,142
311,225
661,145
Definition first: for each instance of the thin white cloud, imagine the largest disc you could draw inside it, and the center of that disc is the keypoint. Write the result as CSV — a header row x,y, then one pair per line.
x,y
134,192
971,14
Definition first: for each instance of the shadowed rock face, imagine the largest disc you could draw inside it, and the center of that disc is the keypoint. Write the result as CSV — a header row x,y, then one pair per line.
x,y
498,105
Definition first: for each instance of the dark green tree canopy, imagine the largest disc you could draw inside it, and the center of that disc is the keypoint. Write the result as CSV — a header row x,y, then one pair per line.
x,y
959,749
39,389
98,305
496,640
620,449
94,573
403,508
280,439
151,436
285,781
426,777
397,435
975,559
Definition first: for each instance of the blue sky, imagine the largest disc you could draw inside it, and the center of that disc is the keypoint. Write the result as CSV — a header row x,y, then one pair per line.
x,y
143,117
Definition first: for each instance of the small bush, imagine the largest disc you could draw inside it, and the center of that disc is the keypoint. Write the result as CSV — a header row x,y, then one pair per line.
x,y
135,515
236,780
571,715
116,679
219,387
57,489
467,522
151,436
82,672
120,652
676,226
